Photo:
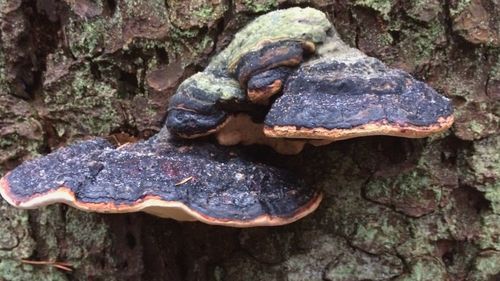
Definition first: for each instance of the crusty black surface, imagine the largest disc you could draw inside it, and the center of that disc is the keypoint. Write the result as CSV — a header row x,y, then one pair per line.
x,y
226,183
189,123
193,110
268,77
272,55
333,94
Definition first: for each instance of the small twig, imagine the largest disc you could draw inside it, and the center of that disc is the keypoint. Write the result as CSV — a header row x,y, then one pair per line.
x,y
184,181
60,265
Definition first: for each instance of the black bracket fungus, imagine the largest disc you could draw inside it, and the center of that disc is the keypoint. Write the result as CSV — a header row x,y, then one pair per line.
x,y
285,80
333,100
316,89
278,39
261,87
177,179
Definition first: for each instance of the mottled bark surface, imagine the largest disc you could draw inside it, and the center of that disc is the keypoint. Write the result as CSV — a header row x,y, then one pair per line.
x,y
395,209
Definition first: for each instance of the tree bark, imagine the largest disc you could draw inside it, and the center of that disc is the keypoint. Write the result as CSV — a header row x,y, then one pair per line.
x,y
395,209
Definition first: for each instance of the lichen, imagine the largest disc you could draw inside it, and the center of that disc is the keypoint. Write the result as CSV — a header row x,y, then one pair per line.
x,y
260,6
384,7
86,38
224,88
261,30
14,270
425,10
457,69
425,269
486,266
459,7
489,238
423,42
78,104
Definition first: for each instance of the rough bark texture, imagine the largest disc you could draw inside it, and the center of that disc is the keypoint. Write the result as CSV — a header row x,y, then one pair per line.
x,y
395,209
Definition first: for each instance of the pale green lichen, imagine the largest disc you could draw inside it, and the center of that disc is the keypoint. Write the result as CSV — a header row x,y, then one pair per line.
x,y
483,170
348,267
136,9
377,235
205,12
459,7
295,24
407,191
486,267
80,104
425,269
425,10
14,270
492,194
223,88
86,38
15,239
384,7
3,81
260,6
88,232
91,37
422,42
489,238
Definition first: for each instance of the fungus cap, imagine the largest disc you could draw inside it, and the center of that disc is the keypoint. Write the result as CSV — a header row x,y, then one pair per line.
x,y
171,179
193,111
277,39
339,97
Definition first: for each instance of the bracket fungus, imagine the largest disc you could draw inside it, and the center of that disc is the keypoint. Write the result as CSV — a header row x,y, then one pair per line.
x,y
183,180
297,82
332,99
285,80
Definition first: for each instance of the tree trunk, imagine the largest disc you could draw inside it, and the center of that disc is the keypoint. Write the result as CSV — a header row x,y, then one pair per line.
x,y
395,209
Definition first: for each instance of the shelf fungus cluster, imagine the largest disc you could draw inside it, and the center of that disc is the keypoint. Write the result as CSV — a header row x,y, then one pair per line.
x,y
285,80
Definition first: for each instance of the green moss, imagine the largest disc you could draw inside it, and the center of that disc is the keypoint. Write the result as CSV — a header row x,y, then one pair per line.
x,y
384,7
16,243
415,192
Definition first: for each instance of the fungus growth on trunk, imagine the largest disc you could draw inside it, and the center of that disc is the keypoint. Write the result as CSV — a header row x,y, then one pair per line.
x,y
285,80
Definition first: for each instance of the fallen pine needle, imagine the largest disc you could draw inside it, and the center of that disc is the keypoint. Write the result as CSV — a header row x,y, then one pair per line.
x,y
184,181
61,265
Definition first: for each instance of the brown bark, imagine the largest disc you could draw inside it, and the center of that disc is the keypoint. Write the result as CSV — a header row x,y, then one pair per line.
x,y
395,209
